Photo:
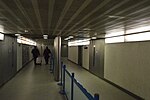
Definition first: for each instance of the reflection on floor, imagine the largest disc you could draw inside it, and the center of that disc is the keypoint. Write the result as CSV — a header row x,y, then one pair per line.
x,y
32,83
95,85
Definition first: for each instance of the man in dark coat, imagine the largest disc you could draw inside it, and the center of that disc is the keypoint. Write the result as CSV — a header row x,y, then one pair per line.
x,y
35,53
47,54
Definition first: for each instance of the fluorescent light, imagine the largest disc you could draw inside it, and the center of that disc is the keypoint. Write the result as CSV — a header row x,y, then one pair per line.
x,y
79,42
19,40
115,33
86,29
138,37
17,34
69,37
25,31
118,17
24,40
114,39
1,36
45,36
93,38
139,29
66,39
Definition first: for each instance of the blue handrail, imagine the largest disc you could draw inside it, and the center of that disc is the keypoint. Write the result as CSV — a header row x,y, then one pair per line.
x,y
88,95
73,80
67,72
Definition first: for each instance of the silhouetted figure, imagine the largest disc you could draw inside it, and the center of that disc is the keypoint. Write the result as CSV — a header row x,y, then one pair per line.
x,y
47,54
35,53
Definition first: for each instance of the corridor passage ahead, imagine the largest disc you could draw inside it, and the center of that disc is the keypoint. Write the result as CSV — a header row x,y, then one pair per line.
x,y
32,83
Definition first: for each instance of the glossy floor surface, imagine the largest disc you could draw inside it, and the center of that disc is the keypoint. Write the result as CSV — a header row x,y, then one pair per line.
x,y
37,83
95,85
32,83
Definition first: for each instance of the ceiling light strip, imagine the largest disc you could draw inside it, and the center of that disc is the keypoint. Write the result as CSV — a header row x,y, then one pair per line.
x,y
138,37
1,36
114,39
68,38
45,36
79,42
129,38
27,41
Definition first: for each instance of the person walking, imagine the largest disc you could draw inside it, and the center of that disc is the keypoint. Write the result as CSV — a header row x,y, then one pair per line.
x,y
35,53
47,54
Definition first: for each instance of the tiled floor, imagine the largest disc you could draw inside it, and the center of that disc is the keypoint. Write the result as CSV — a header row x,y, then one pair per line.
x,y
95,85
32,83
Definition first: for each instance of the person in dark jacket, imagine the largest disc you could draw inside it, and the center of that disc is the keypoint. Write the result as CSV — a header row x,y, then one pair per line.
x,y
47,54
35,53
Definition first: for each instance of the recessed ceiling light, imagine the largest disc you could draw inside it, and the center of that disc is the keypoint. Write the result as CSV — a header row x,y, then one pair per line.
x,y
93,38
69,37
45,36
119,17
86,29
25,31
17,34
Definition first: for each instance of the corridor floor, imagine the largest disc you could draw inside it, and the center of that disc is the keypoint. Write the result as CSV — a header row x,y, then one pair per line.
x,y
32,83
96,85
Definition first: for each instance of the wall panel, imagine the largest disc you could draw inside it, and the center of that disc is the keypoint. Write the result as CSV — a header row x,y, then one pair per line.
x,y
64,49
8,63
19,56
73,54
25,54
128,65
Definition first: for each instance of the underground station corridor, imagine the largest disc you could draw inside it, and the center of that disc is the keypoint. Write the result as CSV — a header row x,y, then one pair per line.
x,y
74,49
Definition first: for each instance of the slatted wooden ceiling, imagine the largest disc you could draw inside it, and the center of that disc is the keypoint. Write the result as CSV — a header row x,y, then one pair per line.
x,y
71,17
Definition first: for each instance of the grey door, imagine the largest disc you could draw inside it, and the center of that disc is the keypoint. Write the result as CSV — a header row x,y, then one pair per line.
x,y
8,54
80,55
97,57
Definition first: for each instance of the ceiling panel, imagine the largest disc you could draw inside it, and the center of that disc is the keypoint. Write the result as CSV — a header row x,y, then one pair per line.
x,y
71,17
